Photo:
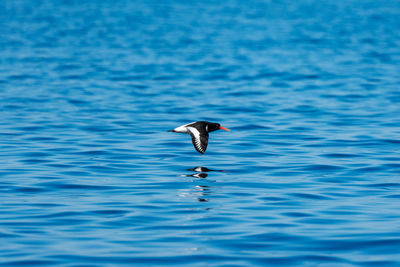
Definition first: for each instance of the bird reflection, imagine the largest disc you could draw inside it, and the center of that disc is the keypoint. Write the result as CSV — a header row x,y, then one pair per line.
x,y
196,175
203,169
200,191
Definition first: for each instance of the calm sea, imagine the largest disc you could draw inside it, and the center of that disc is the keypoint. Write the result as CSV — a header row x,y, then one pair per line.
x,y
308,176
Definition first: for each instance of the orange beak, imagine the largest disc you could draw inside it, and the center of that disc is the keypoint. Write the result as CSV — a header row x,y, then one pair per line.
x,y
223,128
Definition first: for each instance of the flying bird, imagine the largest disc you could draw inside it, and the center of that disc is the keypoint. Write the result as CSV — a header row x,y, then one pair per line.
x,y
199,132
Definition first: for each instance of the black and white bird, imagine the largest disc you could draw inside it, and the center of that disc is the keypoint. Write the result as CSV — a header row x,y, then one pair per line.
x,y
199,130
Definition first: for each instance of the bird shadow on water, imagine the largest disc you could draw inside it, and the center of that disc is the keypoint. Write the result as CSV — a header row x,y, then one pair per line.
x,y
201,191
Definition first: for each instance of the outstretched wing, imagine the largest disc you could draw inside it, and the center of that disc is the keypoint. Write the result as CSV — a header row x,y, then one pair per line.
x,y
200,141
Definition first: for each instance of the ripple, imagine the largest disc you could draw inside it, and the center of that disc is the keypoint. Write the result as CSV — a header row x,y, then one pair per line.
x,y
321,167
340,155
309,196
60,185
297,214
31,262
27,189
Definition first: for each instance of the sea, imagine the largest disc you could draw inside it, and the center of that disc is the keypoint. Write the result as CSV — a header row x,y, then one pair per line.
x,y
309,174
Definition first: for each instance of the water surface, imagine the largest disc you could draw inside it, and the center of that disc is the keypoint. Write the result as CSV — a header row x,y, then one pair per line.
x,y
309,174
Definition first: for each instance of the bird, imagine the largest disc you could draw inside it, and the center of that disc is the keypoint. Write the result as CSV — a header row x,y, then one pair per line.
x,y
198,131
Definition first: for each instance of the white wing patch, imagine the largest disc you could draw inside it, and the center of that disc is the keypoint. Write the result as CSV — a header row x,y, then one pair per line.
x,y
200,142
183,128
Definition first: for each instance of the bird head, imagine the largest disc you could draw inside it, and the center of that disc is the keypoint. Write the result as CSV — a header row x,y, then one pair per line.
x,y
215,126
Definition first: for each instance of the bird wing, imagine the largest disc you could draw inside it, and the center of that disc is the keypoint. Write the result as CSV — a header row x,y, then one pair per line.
x,y
200,141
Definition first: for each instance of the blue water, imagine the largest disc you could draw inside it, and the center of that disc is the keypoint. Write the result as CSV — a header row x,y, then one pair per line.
x,y
89,175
